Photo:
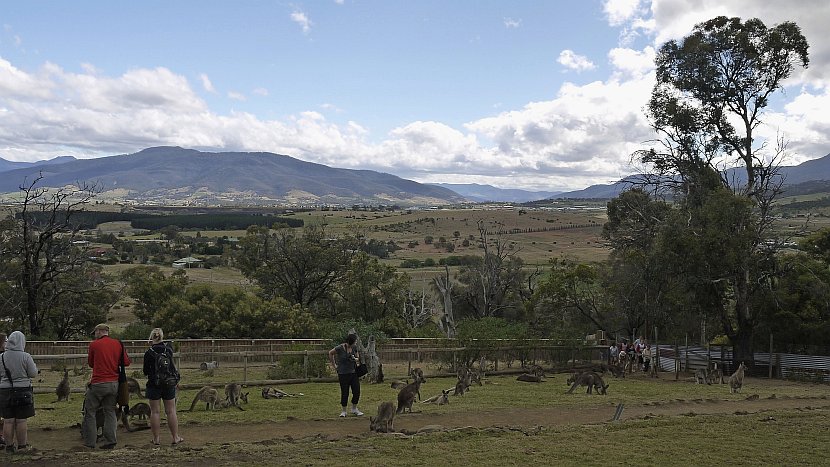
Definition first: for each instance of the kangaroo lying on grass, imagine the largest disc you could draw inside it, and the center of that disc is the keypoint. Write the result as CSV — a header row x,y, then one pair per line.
x,y
589,379
440,399
383,422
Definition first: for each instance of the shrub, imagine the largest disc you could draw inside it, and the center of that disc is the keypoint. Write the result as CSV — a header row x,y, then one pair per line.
x,y
291,366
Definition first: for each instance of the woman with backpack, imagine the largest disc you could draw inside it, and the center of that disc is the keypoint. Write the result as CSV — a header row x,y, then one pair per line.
x,y
162,378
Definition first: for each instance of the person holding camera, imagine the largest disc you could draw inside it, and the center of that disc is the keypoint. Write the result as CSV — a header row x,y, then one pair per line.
x,y
17,403
344,359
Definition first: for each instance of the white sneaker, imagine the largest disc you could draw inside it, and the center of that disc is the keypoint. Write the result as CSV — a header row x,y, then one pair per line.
x,y
343,413
357,412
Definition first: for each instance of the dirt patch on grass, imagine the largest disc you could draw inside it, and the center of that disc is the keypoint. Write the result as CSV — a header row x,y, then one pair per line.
x,y
68,439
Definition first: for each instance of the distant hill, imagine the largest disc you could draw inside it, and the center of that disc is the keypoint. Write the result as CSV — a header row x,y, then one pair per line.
x,y
802,179
166,174
5,165
483,193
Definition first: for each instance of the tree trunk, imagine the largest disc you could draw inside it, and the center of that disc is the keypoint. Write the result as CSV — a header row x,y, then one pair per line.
x,y
372,360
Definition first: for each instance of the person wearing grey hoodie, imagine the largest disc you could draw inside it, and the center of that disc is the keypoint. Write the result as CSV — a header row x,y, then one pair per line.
x,y
20,367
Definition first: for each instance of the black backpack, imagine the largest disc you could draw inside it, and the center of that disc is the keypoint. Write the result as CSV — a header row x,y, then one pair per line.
x,y
166,375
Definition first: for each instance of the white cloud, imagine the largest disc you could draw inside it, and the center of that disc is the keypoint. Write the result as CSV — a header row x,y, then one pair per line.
x,y
237,96
303,20
512,23
260,91
339,2
206,84
620,11
632,62
572,61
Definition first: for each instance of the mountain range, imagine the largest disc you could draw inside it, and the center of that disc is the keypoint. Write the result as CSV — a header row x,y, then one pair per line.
x,y
173,175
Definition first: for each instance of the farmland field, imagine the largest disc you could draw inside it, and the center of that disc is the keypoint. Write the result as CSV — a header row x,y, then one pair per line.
x,y
504,422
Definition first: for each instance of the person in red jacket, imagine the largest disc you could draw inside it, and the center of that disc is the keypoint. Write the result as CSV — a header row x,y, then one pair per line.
x,y
103,357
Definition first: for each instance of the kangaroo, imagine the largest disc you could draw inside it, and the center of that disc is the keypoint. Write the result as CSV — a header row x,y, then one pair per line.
x,y
383,422
440,399
209,365
63,388
589,379
233,394
208,395
406,396
529,378
461,387
140,410
702,377
418,373
399,384
736,381
134,386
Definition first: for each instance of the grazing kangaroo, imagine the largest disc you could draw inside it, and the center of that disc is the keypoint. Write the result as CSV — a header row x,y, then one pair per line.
x,y
208,395
63,388
140,410
440,399
702,377
134,387
736,381
399,384
589,379
233,394
383,422
406,396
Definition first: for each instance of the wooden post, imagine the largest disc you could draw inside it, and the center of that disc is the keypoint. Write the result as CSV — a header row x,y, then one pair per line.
x,y
656,355
676,362
409,363
245,369
770,355
687,353
305,365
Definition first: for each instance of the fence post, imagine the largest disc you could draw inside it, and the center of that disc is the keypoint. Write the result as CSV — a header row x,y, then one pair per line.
x,y
409,362
687,353
305,365
676,362
656,350
245,369
770,355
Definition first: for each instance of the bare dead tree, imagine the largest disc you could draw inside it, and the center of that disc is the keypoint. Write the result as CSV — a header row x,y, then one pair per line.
x,y
446,323
38,239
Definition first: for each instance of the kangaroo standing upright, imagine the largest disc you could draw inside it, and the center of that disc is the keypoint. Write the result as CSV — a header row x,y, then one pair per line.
x,y
736,381
407,395
63,389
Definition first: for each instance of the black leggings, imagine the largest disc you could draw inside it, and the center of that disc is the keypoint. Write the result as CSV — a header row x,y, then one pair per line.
x,y
346,381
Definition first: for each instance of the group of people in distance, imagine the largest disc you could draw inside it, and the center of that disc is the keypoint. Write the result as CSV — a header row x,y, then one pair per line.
x,y
640,349
105,354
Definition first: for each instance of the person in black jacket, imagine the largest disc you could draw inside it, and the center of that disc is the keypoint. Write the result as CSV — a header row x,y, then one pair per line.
x,y
156,393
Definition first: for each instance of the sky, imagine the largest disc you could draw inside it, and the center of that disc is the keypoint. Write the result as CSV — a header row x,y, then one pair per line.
x,y
539,95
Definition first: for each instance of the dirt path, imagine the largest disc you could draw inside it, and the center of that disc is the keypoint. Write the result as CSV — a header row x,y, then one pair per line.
x,y
68,439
